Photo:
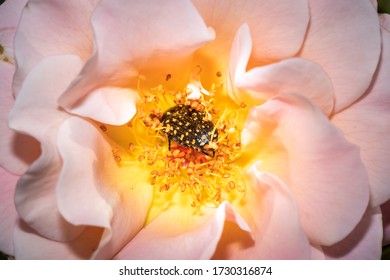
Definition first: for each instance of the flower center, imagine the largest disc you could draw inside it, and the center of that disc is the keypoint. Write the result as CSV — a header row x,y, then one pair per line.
x,y
188,141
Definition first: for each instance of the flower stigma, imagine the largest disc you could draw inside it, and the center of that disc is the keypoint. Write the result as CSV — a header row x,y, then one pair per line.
x,y
188,141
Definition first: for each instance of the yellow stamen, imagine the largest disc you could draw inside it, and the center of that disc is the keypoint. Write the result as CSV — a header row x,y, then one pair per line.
x,y
206,179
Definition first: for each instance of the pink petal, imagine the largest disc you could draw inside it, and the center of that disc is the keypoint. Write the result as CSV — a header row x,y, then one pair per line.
x,y
363,243
31,246
198,235
80,146
278,28
10,13
106,195
14,160
317,253
154,42
8,214
116,105
294,75
239,57
374,3
386,222
323,169
17,151
36,113
385,21
52,28
277,230
345,46
367,124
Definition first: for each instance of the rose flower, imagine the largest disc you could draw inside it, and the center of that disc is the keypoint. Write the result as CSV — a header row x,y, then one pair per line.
x,y
194,130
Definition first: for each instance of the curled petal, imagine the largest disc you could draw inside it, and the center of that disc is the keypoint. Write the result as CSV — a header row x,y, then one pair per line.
x,y
367,124
317,253
324,170
52,28
116,105
35,196
346,47
363,243
275,225
17,151
107,196
239,57
31,246
152,48
375,4
278,28
294,75
198,235
8,214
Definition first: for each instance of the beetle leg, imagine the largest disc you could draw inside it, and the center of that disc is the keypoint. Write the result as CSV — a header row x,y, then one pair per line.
x,y
207,153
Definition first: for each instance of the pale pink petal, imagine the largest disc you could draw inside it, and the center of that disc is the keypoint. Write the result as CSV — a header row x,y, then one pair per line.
x,y
374,3
324,170
239,57
79,199
278,29
129,215
52,28
363,243
234,244
148,40
8,214
93,190
385,21
6,46
294,75
386,222
10,13
36,113
240,53
344,38
111,105
276,227
173,228
31,246
17,151
317,253
367,124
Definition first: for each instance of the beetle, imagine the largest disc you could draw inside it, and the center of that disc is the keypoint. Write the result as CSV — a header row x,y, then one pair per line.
x,y
188,127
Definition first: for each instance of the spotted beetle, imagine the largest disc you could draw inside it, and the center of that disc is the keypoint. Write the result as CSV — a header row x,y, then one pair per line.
x,y
187,127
